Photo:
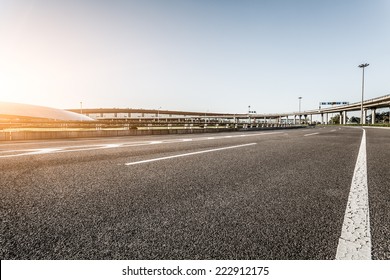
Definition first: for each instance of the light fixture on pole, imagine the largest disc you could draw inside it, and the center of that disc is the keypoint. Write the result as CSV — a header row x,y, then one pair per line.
x,y
158,114
249,116
300,98
364,65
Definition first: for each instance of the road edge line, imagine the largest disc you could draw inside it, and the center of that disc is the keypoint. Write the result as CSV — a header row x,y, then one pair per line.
x,y
355,239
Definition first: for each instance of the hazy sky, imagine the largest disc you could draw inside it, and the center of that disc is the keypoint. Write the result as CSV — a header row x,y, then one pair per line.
x,y
217,56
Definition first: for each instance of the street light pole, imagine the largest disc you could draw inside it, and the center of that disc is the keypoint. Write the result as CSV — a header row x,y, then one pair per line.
x,y
300,98
364,65
249,116
158,114
81,111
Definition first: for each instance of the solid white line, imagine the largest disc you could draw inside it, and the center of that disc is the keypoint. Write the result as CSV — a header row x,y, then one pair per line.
x,y
190,154
355,239
43,151
311,134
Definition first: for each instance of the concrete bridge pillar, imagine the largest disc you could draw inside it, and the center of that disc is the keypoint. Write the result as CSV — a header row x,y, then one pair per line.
x,y
322,118
326,118
344,117
364,116
373,113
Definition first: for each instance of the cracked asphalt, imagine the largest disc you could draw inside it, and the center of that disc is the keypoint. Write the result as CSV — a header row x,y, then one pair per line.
x,y
282,197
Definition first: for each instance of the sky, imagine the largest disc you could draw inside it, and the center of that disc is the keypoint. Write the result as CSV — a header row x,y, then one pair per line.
x,y
193,55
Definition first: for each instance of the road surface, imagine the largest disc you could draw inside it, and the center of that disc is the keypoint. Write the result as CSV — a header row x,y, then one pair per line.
x,y
280,194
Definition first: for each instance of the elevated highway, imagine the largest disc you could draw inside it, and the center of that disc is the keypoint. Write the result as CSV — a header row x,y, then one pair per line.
x,y
370,104
277,118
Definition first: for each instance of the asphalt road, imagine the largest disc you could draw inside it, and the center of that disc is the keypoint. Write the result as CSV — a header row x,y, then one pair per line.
x,y
245,195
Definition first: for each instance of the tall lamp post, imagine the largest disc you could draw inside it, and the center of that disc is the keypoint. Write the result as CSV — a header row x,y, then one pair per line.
x,y
364,65
300,98
158,114
81,110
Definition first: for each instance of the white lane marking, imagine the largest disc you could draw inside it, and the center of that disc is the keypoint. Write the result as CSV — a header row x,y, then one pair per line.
x,y
355,239
112,145
55,148
333,130
189,154
16,151
33,152
43,151
311,134
80,148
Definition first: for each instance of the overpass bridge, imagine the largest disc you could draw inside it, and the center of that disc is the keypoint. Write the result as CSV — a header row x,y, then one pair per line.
x,y
370,104
156,115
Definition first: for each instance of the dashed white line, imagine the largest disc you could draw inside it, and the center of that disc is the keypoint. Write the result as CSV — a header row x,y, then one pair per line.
x,y
311,134
189,154
112,145
355,239
79,148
